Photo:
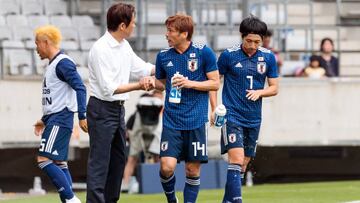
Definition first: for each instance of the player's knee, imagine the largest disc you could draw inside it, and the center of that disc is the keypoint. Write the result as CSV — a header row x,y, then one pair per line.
x,y
192,170
167,170
236,159
40,159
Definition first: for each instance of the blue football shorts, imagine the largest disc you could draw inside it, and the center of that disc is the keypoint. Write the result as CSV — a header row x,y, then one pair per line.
x,y
55,143
235,136
187,145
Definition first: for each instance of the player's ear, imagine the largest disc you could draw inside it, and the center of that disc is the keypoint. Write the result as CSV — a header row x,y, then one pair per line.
x,y
184,34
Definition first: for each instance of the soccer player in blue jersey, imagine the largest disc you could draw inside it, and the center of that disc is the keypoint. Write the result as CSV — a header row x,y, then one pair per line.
x,y
245,68
63,93
184,135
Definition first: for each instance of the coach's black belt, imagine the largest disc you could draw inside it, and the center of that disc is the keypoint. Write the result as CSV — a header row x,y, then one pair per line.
x,y
117,102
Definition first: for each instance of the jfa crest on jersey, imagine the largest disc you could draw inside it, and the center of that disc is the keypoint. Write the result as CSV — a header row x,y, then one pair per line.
x,y
261,67
192,65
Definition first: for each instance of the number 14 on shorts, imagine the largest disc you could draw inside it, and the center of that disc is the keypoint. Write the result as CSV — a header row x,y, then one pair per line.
x,y
199,147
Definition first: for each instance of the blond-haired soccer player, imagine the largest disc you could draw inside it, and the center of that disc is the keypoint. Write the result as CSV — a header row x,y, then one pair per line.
x,y
63,94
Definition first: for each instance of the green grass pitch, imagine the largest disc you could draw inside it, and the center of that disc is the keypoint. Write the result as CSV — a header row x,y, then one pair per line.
x,y
323,192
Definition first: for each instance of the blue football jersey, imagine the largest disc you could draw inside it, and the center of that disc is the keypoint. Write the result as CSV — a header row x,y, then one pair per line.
x,y
242,73
194,63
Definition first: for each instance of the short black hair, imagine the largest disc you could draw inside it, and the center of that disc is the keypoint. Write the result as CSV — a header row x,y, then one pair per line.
x,y
119,13
252,25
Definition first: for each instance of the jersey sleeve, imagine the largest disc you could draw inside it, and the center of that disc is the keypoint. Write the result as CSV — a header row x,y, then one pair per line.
x,y
66,71
273,70
223,62
210,60
159,71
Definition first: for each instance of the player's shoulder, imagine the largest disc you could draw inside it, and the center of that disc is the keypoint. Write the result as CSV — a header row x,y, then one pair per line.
x,y
234,48
198,45
265,50
66,61
165,50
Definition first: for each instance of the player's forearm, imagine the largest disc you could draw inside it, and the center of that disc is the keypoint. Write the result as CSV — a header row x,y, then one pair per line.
x,y
213,100
127,88
269,91
159,85
208,85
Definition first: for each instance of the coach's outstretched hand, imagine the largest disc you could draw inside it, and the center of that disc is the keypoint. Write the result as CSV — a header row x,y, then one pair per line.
x,y
83,125
39,127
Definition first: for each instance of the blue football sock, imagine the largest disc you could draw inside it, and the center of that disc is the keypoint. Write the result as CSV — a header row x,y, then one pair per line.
x,y
64,167
168,185
191,189
233,185
58,178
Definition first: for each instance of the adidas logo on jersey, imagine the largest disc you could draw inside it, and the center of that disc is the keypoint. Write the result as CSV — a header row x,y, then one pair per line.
x,y
238,65
170,64
55,153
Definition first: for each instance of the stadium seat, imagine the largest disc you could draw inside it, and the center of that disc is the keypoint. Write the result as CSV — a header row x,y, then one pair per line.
x,y
155,16
55,7
82,21
236,16
296,40
156,42
77,56
5,33
37,21
31,7
83,72
16,20
9,7
19,65
223,42
40,65
24,34
70,38
88,35
2,21
200,39
211,16
61,21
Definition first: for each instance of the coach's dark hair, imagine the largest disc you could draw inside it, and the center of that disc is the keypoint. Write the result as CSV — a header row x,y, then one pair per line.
x,y
119,13
323,42
252,25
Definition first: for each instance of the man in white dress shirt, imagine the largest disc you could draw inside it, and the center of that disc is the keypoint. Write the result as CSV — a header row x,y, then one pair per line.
x,y
111,63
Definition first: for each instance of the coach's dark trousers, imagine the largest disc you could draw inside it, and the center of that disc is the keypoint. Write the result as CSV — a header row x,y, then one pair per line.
x,y
107,156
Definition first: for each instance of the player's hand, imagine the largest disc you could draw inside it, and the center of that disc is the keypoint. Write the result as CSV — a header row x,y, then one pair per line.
x,y
83,125
147,83
39,127
253,95
182,82
212,118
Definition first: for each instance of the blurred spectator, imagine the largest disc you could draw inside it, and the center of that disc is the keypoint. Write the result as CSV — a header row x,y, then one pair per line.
x,y
314,70
144,131
327,60
266,44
